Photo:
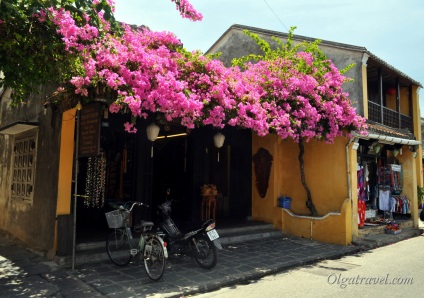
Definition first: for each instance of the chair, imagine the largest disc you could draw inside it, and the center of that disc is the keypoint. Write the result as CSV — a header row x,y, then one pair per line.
x,y
208,208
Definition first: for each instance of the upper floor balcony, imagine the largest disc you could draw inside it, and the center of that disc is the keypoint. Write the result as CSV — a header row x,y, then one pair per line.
x,y
392,118
390,96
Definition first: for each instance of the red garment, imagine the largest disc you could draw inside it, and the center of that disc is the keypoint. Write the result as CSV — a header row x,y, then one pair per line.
x,y
361,213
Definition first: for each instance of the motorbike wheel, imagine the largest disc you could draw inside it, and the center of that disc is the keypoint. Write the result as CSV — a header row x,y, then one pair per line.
x,y
118,247
204,252
154,258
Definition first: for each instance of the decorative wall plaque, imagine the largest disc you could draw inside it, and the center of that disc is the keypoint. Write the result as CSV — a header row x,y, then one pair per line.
x,y
89,137
262,161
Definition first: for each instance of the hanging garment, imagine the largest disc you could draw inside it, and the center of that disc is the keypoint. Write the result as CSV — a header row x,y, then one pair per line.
x,y
393,203
384,199
361,213
361,185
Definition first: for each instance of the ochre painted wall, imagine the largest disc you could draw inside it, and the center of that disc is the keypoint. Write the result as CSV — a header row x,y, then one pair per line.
x,y
64,191
331,228
391,101
404,101
418,160
325,172
65,163
265,209
326,176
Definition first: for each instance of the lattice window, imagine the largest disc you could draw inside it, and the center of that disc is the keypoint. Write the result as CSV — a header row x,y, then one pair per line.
x,y
25,153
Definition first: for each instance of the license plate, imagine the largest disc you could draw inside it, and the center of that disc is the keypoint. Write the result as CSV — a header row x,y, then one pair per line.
x,y
213,234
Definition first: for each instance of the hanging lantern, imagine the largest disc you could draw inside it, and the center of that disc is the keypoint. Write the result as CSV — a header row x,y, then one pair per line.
x,y
376,148
391,91
152,134
395,152
218,140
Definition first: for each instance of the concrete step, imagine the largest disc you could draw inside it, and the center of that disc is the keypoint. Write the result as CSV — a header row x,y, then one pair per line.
x,y
378,229
242,234
91,252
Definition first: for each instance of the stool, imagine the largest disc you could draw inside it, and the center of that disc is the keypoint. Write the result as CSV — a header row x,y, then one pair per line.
x,y
208,207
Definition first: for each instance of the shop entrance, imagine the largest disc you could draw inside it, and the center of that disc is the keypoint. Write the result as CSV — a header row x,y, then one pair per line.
x,y
381,200
107,180
132,168
184,162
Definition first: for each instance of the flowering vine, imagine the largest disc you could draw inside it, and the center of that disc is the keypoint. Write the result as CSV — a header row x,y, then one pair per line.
x,y
293,91
33,54
302,92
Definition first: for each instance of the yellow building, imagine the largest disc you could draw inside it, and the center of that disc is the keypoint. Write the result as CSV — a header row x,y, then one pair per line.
x,y
388,99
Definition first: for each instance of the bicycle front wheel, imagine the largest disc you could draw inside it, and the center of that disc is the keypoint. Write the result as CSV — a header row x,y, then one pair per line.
x,y
154,258
118,247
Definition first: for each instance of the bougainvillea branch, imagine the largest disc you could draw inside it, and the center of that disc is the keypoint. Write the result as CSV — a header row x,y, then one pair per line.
x,y
32,52
302,92
293,91
148,72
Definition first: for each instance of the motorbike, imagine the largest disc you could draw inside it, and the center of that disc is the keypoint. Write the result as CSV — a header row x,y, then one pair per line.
x,y
201,244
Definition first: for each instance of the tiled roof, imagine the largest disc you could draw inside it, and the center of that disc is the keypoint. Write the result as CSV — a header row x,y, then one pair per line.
x,y
381,129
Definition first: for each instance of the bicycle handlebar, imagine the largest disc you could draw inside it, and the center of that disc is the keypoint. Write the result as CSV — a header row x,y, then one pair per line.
x,y
132,206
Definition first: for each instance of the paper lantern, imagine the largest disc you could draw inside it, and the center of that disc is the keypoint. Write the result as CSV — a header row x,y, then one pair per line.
x,y
391,91
152,132
218,140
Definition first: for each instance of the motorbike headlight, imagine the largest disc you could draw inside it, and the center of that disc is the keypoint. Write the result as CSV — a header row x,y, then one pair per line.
x,y
210,227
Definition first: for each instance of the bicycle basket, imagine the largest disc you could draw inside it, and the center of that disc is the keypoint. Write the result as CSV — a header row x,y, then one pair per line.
x,y
117,218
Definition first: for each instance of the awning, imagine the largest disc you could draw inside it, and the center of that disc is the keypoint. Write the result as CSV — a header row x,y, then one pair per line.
x,y
17,128
388,139
387,135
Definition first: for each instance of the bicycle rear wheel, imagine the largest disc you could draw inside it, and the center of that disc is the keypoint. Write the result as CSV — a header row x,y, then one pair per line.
x,y
118,247
154,258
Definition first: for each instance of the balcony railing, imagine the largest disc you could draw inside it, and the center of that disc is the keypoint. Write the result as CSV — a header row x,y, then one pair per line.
x,y
390,117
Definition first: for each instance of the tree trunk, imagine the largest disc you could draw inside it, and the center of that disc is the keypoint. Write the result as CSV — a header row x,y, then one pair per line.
x,y
309,202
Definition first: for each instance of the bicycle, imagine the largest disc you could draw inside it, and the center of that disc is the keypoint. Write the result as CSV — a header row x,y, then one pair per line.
x,y
121,247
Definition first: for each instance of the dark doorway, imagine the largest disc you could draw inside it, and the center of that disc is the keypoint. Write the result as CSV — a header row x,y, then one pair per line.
x,y
170,171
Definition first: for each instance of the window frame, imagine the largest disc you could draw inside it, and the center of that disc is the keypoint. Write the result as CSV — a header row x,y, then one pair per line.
x,y
23,166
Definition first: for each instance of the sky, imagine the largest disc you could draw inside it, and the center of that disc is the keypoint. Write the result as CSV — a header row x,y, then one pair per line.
x,y
393,30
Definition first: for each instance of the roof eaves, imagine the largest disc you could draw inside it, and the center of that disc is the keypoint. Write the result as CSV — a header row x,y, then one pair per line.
x,y
323,42
392,68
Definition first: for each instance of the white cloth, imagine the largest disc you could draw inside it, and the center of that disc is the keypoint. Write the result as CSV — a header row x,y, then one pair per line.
x,y
384,200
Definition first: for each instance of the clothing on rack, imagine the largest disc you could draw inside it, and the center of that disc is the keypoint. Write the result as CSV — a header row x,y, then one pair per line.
x,y
384,199
400,205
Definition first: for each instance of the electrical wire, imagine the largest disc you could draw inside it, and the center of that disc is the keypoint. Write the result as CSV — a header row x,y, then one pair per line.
x,y
276,15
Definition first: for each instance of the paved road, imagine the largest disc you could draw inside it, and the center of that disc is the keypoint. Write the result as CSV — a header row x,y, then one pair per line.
x,y
26,273
391,271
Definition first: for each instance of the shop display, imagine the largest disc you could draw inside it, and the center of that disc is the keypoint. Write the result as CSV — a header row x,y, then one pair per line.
x,y
95,181
380,192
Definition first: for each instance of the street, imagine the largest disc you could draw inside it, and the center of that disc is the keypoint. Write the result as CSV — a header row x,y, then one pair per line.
x,y
391,271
